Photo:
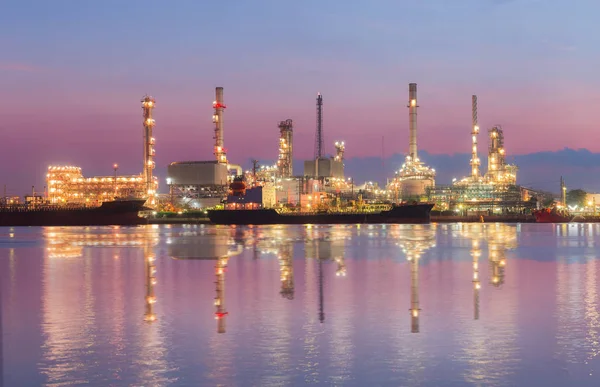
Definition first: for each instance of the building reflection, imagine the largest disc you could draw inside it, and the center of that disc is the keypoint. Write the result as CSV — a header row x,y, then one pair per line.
x,y
500,238
1,339
286,268
70,243
415,241
326,249
72,320
217,245
150,277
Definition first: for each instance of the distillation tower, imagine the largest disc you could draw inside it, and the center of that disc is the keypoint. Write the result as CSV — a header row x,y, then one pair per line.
x,y
148,104
286,160
498,170
219,106
413,179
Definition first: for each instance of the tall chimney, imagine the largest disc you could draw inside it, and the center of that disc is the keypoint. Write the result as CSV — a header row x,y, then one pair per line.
x,y
412,119
218,106
474,133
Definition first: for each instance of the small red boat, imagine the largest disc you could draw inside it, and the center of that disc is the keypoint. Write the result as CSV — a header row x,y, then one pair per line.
x,y
552,215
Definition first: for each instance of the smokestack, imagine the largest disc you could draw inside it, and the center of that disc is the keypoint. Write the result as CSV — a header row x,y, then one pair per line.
x,y
218,106
474,133
412,119
319,135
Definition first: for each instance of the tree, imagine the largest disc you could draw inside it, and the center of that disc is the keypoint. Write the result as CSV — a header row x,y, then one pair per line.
x,y
576,197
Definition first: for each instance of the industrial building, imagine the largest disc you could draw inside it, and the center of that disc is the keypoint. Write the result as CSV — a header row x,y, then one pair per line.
x,y
66,184
414,178
200,184
495,191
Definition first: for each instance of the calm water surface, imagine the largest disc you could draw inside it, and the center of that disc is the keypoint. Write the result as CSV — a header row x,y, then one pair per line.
x,y
434,305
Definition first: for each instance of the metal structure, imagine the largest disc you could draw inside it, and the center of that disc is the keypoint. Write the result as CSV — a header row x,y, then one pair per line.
x,y
414,178
218,105
285,160
474,132
498,170
482,197
412,120
66,184
340,148
148,104
319,134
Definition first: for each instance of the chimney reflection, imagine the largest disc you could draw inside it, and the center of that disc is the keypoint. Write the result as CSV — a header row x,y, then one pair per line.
x,y
476,232
415,240
500,237
210,246
220,313
150,269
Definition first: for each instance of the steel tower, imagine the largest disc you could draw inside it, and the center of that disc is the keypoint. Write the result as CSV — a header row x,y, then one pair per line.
x,y
319,134
219,106
148,104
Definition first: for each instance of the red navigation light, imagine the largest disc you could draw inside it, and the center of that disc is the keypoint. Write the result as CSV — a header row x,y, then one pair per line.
x,y
217,105
220,315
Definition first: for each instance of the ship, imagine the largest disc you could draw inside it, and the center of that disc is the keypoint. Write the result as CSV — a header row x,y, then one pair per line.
x,y
402,213
552,215
119,212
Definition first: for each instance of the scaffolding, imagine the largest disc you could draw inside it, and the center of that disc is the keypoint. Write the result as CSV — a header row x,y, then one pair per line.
x,y
480,198
66,185
285,162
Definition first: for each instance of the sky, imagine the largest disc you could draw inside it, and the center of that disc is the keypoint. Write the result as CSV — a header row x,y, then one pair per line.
x,y
72,75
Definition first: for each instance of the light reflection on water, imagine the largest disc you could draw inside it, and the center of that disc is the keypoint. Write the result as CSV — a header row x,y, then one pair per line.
x,y
461,304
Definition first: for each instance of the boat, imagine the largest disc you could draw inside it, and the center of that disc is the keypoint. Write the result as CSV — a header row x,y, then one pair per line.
x,y
401,213
552,215
120,212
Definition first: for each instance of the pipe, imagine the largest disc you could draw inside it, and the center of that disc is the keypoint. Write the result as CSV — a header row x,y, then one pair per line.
x,y
238,169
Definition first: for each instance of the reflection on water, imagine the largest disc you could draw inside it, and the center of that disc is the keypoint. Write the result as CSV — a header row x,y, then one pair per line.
x,y
488,304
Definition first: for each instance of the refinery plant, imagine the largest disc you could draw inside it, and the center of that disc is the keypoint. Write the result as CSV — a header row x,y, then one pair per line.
x,y
414,178
495,191
323,182
67,185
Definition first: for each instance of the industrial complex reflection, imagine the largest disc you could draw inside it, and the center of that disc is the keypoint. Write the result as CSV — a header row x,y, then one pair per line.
x,y
322,244
218,245
70,243
415,241
499,238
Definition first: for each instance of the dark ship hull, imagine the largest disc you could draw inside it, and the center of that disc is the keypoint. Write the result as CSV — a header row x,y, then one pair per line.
x,y
118,212
406,213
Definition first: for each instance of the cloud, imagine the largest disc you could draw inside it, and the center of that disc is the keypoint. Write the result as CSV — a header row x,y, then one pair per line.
x,y
17,66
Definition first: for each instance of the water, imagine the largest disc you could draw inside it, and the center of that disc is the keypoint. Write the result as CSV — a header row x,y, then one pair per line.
x,y
395,305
